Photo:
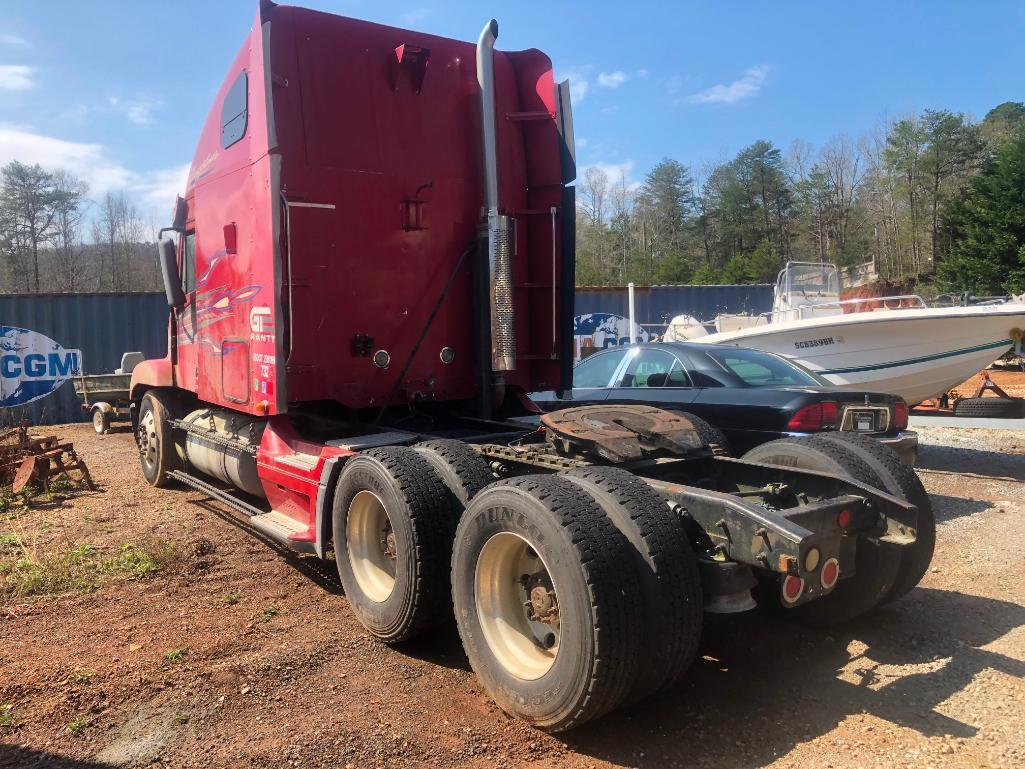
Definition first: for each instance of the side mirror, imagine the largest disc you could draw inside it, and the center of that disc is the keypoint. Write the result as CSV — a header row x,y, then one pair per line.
x,y
169,270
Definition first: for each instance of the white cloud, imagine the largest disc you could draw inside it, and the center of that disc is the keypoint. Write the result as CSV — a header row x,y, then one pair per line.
x,y
642,72
16,77
615,171
745,87
14,41
159,187
413,16
612,79
139,110
88,161
579,85
154,190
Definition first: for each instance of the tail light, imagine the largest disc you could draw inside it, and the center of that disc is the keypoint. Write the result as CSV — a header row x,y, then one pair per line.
x,y
818,416
791,589
900,415
830,574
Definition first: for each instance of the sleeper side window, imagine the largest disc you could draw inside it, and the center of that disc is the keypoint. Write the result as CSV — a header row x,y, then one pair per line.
x,y
235,111
189,263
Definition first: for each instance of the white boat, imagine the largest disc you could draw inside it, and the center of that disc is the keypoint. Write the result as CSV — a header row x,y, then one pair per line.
x,y
894,344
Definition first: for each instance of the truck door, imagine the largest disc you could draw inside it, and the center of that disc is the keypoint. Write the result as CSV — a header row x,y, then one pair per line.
x,y
186,370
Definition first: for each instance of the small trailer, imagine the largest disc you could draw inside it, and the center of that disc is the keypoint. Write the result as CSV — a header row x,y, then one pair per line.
x,y
108,396
373,264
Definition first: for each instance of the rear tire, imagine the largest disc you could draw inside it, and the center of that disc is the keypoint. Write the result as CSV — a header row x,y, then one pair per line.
x,y
460,468
666,568
902,481
569,558
876,564
996,408
710,435
158,455
392,540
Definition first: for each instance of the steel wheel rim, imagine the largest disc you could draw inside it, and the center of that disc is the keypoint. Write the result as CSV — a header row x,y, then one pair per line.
x,y
148,439
371,546
97,420
523,644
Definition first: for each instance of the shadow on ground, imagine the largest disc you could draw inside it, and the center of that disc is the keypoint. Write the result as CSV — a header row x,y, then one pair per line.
x,y
958,459
765,685
12,757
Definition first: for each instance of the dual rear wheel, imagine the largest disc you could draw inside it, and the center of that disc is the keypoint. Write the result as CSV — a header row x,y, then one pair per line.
x,y
572,594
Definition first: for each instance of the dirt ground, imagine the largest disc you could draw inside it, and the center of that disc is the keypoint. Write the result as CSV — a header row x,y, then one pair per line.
x,y
234,654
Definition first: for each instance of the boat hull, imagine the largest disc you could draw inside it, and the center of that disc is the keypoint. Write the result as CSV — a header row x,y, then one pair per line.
x,y
915,353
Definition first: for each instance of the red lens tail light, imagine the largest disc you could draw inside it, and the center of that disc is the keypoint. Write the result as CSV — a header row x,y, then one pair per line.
x,y
900,415
830,414
818,416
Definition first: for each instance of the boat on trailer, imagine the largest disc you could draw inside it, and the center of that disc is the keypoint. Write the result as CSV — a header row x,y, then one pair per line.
x,y
893,344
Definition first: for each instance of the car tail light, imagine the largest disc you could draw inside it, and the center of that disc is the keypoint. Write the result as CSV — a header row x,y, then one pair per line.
x,y
830,414
900,415
818,416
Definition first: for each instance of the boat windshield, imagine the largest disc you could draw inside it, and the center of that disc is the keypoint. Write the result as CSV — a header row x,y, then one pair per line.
x,y
811,279
761,369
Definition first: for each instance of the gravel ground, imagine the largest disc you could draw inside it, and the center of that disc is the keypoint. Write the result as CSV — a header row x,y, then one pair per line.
x,y
237,655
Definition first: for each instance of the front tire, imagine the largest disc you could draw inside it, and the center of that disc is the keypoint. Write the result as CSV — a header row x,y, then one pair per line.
x,y
158,454
392,531
549,617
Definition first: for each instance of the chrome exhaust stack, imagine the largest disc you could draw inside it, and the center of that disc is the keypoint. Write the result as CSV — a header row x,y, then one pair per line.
x,y
499,227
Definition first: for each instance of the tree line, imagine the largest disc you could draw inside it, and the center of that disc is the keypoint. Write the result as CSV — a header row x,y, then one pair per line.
x,y
45,217
911,197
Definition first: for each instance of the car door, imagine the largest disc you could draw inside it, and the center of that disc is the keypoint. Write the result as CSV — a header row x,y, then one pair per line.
x,y
655,377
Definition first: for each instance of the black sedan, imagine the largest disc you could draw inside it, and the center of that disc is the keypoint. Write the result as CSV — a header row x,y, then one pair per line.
x,y
752,396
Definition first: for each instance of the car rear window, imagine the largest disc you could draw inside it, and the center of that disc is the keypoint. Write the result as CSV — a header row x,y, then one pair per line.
x,y
760,369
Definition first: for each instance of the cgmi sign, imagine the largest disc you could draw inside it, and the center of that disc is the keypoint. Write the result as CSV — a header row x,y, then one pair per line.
x,y
32,365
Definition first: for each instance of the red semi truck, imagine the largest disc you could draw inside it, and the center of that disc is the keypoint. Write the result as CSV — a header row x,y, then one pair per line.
x,y
371,265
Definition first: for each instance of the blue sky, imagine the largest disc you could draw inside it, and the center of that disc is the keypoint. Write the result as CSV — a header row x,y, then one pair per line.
x,y
117,91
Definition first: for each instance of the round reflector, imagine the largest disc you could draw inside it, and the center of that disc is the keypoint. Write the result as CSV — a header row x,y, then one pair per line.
x,y
830,574
843,520
792,589
811,559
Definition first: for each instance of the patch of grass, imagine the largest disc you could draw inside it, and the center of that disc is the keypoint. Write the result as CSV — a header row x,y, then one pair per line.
x,y
233,597
176,655
81,568
76,725
266,614
181,718
82,676
6,715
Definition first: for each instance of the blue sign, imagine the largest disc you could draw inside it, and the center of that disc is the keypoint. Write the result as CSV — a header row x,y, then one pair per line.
x,y
604,329
32,365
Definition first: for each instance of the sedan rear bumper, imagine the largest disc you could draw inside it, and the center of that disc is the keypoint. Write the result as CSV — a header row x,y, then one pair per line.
x,y
904,443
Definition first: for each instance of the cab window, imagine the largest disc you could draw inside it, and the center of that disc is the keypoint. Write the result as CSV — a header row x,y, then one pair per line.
x,y
189,263
653,368
597,370
235,111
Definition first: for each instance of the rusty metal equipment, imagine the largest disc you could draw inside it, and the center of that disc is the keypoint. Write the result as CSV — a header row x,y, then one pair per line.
x,y
27,461
621,433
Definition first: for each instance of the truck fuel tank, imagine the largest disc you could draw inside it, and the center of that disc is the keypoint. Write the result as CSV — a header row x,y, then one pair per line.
x,y
222,444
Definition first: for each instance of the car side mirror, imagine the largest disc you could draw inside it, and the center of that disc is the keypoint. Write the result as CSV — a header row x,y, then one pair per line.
x,y
169,270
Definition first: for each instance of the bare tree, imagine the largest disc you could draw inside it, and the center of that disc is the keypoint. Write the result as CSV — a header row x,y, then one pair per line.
x,y
69,207
843,166
117,230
